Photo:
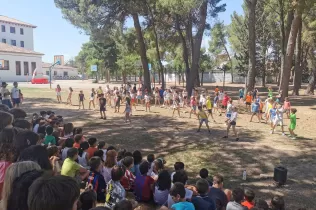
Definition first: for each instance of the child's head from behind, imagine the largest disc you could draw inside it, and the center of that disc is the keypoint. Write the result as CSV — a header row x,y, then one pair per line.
x,y
238,195
204,173
18,113
178,166
72,153
95,164
128,162
117,173
121,154
92,142
69,142
202,186
144,167
99,153
49,130
137,155
78,138
53,191
158,165
180,176
123,205
6,120
249,194
200,108
101,145
83,147
218,181
52,151
68,128
164,180
177,192
277,203
150,158
88,200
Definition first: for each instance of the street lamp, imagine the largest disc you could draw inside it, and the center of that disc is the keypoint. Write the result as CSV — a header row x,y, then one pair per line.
x,y
50,73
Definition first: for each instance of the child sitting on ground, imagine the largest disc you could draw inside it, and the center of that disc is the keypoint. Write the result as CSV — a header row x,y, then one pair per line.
x,y
102,146
93,147
177,192
177,167
162,188
71,168
88,200
204,175
249,197
95,178
144,184
151,159
49,138
78,141
238,197
128,179
68,145
82,158
115,192
203,201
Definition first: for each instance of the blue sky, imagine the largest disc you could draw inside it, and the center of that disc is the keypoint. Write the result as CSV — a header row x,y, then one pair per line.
x,y
56,36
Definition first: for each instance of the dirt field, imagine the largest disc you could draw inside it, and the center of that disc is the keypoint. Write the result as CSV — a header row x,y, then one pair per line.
x,y
175,139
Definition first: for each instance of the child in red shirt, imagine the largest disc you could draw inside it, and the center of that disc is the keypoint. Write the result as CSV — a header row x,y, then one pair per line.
x,y
144,184
249,197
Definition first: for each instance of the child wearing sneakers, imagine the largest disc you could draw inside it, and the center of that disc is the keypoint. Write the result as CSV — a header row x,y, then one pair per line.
x,y
278,119
202,118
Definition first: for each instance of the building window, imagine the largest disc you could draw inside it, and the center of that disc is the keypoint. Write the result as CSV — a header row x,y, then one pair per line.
x,y
26,68
4,65
21,31
47,73
13,42
33,66
65,73
55,73
4,41
18,67
2,28
12,30
22,43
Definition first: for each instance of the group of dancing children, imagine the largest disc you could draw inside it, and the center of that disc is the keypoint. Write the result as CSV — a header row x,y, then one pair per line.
x,y
270,111
199,105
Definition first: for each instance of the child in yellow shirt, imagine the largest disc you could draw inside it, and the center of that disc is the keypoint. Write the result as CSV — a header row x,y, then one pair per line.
x,y
202,116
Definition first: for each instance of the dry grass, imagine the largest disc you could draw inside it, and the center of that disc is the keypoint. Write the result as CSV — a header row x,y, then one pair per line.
x,y
175,139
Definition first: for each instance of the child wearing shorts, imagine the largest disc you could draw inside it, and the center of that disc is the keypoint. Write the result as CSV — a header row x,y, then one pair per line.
x,y
202,118
278,119
232,123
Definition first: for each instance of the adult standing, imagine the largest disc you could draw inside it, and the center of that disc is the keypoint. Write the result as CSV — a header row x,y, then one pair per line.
x,y
15,95
6,96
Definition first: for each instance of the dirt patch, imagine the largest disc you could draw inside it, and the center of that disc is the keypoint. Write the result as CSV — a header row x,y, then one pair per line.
x,y
175,139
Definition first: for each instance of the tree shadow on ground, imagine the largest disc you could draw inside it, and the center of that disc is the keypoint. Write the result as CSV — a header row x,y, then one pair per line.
x,y
177,140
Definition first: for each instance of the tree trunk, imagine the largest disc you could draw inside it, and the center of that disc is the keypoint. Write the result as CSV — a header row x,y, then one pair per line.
x,y
298,59
142,51
251,4
161,67
185,53
290,51
284,41
311,85
264,66
197,48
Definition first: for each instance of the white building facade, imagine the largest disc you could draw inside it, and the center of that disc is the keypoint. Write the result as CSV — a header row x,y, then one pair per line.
x,y
18,64
60,72
16,33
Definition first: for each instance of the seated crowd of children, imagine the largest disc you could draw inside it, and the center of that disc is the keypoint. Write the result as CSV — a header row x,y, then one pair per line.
x,y
44,163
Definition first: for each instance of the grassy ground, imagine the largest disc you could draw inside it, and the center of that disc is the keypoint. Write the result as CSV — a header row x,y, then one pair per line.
x,y
176,139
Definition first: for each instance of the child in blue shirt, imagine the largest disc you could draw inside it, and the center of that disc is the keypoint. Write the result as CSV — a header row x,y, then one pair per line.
x,y
177,193
203,201
255,110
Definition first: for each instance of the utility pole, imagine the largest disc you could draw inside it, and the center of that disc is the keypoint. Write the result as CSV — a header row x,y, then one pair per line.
x,y
50,73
